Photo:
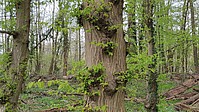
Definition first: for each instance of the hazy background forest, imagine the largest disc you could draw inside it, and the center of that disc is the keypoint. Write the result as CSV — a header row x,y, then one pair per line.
x,y
99,55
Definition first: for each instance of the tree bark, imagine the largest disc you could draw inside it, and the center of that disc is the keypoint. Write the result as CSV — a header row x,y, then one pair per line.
x,y
79,45
54,43
152,96
76,53
38,40
20,49
183,28
65,53
193,27
98,26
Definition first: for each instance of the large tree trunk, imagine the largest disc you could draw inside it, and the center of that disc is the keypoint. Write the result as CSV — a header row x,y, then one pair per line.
x,y
20,49
105,27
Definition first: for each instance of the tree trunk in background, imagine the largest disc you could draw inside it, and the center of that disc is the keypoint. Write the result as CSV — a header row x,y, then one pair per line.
x,y
52,63
65,52
183,28
160,36
12,28
76,55
112,58
69,41
51,68
65,43
2,19
39,64
32,51
152,96
79,45
20,49
38,40
142,46
169,65
57,52
132,31
193,27
5,35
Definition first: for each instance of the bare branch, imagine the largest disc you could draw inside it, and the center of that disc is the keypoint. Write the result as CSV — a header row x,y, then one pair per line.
x,y
46,37
14,33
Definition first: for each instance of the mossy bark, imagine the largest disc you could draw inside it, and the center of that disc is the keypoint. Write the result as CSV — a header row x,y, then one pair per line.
x,y
20,50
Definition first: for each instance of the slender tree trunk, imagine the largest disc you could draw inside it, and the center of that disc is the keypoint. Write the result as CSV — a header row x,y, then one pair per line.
x,y
186,54
76,46
5,35
170,60
152,96
132,31
52,63
65,42
112,57
31,53
142,47
38,39
20,49
79,45
12,28
183,28
160,40
69,44
65,53
193,27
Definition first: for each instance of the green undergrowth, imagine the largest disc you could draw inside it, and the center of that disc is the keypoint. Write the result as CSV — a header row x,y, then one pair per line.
x,y
45,95
40,96
137,88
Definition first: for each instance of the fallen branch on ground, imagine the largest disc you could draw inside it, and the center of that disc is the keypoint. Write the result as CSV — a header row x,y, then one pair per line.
x,y
182,96
181,88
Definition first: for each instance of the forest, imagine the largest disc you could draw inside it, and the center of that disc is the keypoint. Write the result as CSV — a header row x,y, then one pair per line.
x,y
99,55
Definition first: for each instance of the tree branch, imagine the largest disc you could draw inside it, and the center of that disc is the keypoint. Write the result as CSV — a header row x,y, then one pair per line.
x,y
14,33
46,37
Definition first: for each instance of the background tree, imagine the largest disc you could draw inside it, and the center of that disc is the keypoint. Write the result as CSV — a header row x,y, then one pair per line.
x,y
152,96
193,28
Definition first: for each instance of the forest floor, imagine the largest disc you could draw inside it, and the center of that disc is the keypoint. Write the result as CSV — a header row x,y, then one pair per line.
x,y
187,91
53,95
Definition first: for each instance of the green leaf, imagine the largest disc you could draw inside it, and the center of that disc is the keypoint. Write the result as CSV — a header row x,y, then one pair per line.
x,y
30,85
40,84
